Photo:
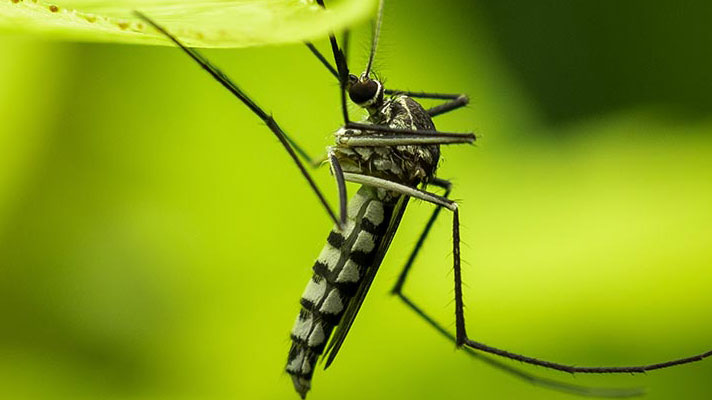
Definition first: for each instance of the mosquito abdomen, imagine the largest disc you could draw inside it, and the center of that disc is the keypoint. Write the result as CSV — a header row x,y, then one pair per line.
x,y
338,272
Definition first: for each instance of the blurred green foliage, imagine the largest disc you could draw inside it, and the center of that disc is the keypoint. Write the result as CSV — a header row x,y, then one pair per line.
x,y
199,23
154,239
583,58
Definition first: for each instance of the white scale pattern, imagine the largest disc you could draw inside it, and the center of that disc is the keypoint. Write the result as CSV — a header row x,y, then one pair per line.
x,y
297,363
333,303
317,336
314,291
374,213
355,204
329,256
349,273
302,327
364,242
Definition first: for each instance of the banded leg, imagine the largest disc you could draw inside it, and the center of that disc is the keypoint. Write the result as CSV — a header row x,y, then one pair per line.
x,y
535,380
286,142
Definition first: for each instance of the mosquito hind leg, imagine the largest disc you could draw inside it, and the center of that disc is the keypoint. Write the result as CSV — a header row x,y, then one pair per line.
x,y
461,339
535,380
460,331
551,384
464,340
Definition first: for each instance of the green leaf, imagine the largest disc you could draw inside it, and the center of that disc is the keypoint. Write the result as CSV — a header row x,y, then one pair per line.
x,y
199,23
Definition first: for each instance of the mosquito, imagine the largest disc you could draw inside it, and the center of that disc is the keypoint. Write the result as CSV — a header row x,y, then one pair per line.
x,y
394,155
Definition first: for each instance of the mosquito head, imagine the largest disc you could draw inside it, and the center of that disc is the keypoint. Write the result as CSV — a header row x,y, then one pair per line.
x,y
365,92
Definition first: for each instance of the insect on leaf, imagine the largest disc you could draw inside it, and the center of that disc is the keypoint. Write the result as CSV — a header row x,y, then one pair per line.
x,y
197,23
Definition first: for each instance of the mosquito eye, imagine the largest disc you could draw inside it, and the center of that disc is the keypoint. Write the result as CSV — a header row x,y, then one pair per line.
x,y
362,92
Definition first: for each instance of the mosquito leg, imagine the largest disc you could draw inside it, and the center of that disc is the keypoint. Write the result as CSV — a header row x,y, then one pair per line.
x,y
338,173
409,132
535,380
402,189
461,333
463,340
454,102
322,59
461,101
369,140
266,118
311,161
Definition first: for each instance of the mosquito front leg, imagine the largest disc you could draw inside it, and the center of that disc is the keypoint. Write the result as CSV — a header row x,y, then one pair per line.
x,y
286,142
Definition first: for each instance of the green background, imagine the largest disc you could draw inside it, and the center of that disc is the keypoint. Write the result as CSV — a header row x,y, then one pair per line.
x,y
155,240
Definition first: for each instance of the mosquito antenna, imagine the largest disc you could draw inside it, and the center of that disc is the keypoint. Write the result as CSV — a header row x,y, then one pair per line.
x,y
376,34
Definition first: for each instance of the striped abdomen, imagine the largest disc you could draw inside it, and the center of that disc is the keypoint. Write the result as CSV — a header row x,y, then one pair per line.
x,y
338,272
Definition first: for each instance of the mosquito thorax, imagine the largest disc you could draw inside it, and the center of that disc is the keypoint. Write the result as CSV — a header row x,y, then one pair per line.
x,y
365,92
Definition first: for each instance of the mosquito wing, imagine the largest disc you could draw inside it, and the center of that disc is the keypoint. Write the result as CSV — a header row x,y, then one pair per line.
x,y
355,304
